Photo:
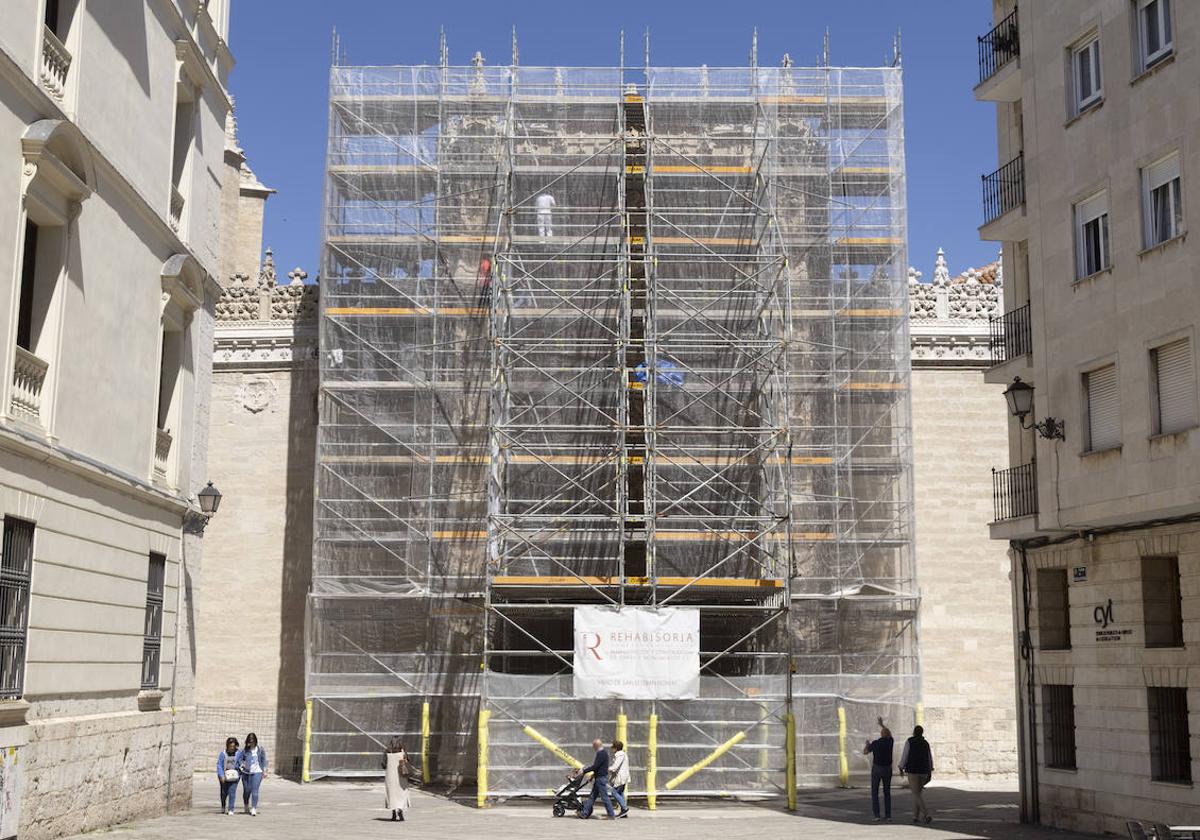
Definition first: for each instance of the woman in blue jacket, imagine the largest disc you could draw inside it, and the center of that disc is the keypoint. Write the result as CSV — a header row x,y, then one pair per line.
x,y
227,774
252,762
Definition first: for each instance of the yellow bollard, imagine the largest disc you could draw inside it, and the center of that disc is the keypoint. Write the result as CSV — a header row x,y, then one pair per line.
x,y
843,762
563,755
919,714
622,727
307,741
481,773
425,774
790,776
652,764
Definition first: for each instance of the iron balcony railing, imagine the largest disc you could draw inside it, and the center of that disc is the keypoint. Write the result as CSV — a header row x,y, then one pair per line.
x,y
1004,189
998,47
1014,491
1010,336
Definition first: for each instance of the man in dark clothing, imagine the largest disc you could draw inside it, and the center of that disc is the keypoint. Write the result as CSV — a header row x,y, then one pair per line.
x,y
917,761
599,770
881,770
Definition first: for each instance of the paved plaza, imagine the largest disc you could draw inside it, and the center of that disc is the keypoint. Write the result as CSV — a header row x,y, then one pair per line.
x,y
349,811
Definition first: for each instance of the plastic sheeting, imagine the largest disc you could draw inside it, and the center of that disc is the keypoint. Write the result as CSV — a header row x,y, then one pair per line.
x,y
492,450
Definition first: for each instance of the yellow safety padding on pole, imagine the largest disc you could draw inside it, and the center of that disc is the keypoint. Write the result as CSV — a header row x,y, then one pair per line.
x,y
843,763
481,773
425,774
704,762
307,741
622,727
919,714
566,757
652,763
790,775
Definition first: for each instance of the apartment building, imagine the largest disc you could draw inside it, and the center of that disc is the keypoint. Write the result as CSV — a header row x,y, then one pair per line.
x,y
1098,179
111,142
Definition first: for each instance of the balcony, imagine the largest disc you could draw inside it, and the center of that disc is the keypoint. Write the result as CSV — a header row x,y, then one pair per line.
x,y
29,375
56,61
1014,492
162,454
999,62
1010,336
176,217
1004,203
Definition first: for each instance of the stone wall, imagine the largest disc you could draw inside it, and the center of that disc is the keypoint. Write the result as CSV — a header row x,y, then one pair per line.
x,y
966,619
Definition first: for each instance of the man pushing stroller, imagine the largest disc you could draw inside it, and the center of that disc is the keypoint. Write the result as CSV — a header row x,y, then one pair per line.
x,y
599,770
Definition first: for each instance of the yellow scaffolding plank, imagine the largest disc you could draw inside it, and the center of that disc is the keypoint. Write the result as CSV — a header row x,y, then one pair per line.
x,y
679,169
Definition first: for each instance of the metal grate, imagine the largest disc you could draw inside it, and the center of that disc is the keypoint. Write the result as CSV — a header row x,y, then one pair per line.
x,y
1058,703
1004,189
1170,753
16,564
1014,492
1054,610
1162,603
152,640
1010,336
999,47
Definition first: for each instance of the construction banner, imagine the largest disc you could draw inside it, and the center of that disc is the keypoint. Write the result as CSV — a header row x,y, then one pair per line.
x,y
637,653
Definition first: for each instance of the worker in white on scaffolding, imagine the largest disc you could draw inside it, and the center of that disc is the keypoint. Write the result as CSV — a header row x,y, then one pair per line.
x,y
545,214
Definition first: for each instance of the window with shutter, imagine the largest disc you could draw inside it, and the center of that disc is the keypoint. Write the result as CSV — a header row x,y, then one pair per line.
x,y
1174,386
1103,404
1162,200
1085,70
1091,235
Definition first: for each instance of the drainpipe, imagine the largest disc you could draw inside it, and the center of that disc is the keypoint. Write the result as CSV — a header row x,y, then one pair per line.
x,y
1028,751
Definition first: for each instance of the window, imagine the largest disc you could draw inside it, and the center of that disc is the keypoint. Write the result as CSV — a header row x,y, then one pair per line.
x,y
1162,605
16,567
1170,752
1103,406
41,264
1162,201
59,16
1091,235
1154,36
1174,387
1058,714
1054,610
1085,74
152,643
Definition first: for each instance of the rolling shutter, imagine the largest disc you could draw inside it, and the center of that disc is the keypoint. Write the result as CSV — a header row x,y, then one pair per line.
x,y
1176,386
1103,407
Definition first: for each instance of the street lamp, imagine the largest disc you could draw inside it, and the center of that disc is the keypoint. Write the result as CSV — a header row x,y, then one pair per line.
x,y
210,499
1020,404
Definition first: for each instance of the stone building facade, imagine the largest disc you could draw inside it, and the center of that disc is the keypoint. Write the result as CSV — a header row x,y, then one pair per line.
x,y
264,439
1099,501
111,118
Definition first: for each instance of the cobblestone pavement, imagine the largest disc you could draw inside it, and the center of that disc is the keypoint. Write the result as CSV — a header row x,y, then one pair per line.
x,y
350,811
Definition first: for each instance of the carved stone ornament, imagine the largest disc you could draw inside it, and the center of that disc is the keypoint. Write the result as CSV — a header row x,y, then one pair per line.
x,y
257,394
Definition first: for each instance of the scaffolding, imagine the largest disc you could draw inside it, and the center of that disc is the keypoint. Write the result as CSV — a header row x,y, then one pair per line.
x,y
603,336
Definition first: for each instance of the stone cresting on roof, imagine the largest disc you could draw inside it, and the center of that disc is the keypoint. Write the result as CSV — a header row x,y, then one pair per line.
x,y
265,300
949,317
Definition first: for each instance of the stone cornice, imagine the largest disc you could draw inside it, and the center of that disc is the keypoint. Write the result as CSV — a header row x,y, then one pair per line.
x,y
949,318
263,344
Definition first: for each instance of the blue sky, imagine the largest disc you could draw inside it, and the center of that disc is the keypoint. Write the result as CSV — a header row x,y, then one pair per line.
x,y
282,49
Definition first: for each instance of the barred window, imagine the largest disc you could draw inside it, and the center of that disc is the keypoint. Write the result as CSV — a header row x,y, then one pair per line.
x,y
152,643
1058,713
16,565
1053,610
1170,752
1162,605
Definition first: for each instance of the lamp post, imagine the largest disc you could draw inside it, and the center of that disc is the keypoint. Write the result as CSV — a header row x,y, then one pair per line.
x,y
209,499
1020,404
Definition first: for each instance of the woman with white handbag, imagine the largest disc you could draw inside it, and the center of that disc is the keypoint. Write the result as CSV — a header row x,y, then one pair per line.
x,y
227,774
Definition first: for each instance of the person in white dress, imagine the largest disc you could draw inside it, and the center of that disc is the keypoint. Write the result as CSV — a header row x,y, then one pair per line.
x,y
395,781
545,204
618,776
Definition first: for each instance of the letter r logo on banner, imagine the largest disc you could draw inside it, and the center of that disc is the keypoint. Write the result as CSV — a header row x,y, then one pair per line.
x,y
595,647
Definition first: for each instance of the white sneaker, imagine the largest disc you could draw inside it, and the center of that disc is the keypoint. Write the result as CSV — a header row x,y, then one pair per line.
x,y
229,812
254,812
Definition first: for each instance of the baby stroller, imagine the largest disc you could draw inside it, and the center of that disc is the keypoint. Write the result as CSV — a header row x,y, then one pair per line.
x,y
568,796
